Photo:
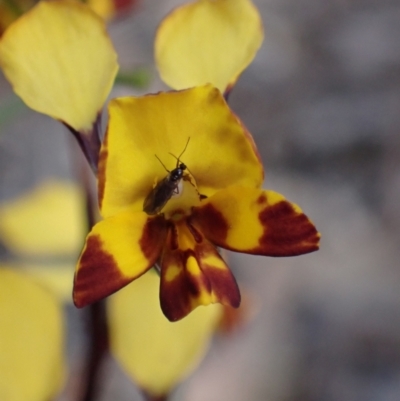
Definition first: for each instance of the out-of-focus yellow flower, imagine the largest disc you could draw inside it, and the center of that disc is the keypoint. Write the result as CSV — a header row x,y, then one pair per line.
x,y
60,61
31,340
157,354
44,230
48,221
212,197
208,41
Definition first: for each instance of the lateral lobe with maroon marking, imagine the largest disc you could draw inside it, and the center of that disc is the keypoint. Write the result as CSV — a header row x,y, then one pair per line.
x,y
286,232
98,275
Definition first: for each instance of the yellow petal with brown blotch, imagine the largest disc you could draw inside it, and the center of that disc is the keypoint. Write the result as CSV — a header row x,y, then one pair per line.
x,y
193,273
60,61
208,41
256,221
118,250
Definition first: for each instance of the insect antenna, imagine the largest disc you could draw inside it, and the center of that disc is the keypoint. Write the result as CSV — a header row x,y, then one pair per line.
x,y
161,163
183,151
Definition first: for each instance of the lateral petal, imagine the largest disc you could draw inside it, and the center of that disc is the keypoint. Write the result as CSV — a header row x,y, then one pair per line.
x,y
140,128
193,274
208,41
118,250
60,61
256,221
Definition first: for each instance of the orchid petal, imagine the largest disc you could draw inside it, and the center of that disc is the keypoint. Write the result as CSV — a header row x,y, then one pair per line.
x,y
118,250
256,221
60,61
193,274
208,41
47,221
219,151
31,340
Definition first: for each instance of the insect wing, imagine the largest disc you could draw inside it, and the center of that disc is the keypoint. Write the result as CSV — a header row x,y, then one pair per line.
x,y
159,196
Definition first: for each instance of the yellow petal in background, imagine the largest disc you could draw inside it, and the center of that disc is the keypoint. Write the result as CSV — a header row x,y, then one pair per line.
x,y
156,353
48,221
57,278
208,41
31,340
60,61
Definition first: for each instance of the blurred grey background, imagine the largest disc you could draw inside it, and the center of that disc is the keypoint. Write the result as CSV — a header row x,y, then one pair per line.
x,y
322,100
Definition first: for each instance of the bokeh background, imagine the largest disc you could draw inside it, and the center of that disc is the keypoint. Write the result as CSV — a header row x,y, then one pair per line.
x,y
322,99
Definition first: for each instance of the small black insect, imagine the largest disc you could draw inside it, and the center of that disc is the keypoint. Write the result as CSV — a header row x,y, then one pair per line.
x,y
168,186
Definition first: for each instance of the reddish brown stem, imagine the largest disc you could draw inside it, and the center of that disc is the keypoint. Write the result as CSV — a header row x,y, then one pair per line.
x,y
97,328
150,397
98,348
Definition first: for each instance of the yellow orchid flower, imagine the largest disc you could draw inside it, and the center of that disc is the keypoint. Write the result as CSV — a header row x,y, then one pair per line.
x,y
215,200
208,41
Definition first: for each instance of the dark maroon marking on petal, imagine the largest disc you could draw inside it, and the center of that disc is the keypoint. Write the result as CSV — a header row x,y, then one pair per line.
x,y
261,199
221,281
211,222
198,237
153,237
172,237
176,295
287,233
102,168
98,275
224,285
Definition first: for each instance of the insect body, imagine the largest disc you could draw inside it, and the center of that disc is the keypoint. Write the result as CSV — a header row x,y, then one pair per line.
x,y
164,190
167,187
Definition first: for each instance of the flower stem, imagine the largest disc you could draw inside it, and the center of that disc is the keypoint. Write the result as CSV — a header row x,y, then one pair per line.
x,y
97,328
98,347
151,397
